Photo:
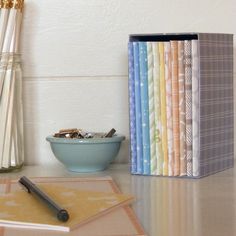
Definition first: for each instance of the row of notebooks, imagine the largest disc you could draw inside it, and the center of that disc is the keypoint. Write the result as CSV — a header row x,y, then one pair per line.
x,y
181,104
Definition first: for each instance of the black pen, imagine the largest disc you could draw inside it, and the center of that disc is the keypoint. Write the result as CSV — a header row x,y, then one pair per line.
x,y
61,213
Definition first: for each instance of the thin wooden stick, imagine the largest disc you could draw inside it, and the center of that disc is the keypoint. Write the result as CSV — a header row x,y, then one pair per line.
x,y
14,147
7,96
3,25
18,110
4,105
8,126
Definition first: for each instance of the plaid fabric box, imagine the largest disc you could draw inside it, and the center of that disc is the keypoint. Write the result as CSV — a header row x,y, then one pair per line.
x,y
216,103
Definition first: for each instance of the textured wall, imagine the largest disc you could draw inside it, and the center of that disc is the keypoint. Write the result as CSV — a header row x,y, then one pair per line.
x,y
75,59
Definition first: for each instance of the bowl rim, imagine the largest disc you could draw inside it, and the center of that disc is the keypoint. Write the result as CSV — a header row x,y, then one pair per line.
x,y
115,138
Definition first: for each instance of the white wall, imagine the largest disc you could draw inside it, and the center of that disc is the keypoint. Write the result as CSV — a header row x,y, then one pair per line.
x,y
75,60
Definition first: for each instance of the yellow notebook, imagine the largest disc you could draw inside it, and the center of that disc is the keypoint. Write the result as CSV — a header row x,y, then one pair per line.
x,y
22,210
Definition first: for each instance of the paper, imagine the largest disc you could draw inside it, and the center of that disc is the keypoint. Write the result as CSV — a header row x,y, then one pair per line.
x,y
169,118
188,103
163,108
151,101
157,109
132,117
138,116
144,106
182,115
175,105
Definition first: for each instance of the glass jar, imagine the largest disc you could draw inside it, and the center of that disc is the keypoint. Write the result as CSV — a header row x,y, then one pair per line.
x,y
11,113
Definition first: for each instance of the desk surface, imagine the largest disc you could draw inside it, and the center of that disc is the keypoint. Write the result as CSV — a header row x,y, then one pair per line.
x,y
169,206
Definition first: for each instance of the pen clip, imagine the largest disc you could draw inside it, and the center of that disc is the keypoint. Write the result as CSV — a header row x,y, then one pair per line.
x,y
24,186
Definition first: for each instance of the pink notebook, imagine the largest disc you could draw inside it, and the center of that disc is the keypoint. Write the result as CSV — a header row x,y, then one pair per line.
x,y
121,221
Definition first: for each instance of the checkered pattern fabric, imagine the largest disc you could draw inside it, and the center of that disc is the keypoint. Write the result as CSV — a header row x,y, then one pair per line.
x,y
216,103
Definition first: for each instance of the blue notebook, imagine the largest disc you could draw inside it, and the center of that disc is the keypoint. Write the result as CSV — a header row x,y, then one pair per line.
x,y
139,138
144,106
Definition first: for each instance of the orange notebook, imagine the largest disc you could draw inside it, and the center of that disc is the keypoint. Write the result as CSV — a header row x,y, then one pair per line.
x,y
104,218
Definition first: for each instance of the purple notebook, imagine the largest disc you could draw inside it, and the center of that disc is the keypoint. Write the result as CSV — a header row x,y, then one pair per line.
x,y
132,119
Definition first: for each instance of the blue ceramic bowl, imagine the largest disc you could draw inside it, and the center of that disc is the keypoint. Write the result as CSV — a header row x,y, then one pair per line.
x,y
86,155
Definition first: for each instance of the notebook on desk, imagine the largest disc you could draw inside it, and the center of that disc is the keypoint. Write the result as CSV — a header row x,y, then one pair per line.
x,y
119,221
